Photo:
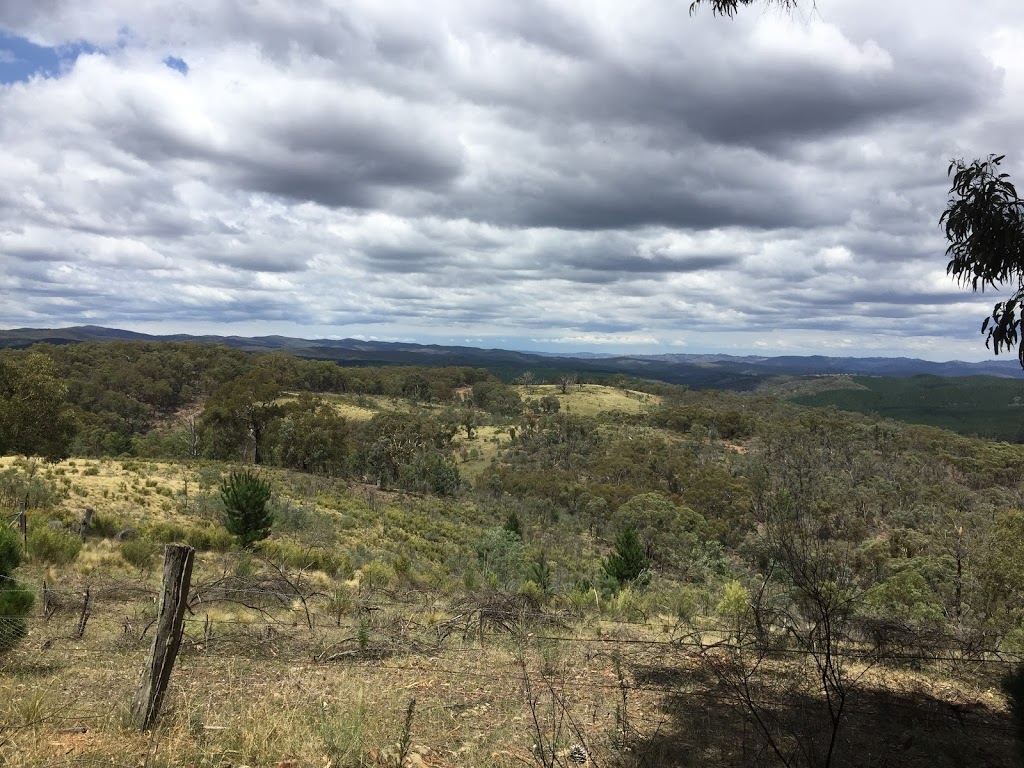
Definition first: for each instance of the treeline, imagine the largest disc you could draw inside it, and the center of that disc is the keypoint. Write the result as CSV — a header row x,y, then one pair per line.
x,y
111,393
191,401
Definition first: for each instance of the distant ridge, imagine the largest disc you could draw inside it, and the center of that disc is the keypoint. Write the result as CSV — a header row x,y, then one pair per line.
x,y
696,370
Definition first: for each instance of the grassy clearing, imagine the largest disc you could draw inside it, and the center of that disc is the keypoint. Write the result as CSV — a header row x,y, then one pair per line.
x,y
476,455
592,399
128,490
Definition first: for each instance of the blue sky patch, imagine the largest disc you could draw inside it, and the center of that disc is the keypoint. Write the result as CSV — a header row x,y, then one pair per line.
x,y
175,63
20,60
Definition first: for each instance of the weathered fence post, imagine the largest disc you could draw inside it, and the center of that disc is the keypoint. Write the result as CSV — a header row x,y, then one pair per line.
x,y
173,599
23,524
83,528
84,618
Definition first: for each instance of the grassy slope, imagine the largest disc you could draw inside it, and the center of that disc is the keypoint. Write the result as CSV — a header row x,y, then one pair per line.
x,y
592,399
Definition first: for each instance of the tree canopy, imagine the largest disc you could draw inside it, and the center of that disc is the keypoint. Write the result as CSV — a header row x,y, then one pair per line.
x,y
984,224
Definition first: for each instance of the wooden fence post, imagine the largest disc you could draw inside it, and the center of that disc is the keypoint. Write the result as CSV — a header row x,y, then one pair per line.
x,y
173,599
84,618
83,528
23,524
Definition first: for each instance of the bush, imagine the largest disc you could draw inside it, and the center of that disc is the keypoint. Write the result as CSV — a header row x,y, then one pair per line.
x,y
208,538
165,533
53,546
139,553
629,563
734,607
375,575
285,553
105,526
15,599
245,496
36,491
501,556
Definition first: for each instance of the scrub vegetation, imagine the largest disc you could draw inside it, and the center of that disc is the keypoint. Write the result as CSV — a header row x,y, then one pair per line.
x,y
406,566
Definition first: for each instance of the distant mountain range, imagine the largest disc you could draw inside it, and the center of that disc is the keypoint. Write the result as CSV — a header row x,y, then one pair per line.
x,y
695,370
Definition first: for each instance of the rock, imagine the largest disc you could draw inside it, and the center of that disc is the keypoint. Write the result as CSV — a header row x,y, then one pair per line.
x,y
57,525
126,534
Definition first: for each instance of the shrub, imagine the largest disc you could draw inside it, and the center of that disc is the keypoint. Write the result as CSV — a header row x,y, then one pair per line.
x,y
139,553
629,563
734,607
501,556
375,575
245,496
53,546
513,525
36,491
15,599
165,533
285,553
627,605
209,539
682,603
105,525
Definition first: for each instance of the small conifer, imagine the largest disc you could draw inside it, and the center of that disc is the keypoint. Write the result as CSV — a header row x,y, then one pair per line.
x,y
629,563
245,496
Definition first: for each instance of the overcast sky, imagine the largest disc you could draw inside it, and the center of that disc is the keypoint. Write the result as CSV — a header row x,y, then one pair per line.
x,y
598,175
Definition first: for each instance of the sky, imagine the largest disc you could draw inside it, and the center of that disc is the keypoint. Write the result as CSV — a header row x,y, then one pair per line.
x,y
543,175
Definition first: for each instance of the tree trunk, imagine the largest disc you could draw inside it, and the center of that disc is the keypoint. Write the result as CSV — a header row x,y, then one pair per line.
x,y
173,599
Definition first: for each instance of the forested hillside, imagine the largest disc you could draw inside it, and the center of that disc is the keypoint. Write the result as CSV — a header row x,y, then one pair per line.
x,y
765,538
979,405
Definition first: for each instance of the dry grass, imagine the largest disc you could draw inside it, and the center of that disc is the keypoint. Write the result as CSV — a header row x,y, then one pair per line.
x,y
261,688
129,490
257,691
480,450
593,399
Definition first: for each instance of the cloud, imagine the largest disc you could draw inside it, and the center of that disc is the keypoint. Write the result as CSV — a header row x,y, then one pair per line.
x,y
600,175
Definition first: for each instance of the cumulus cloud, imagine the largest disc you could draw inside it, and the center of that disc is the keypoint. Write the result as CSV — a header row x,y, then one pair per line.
x,y
544,174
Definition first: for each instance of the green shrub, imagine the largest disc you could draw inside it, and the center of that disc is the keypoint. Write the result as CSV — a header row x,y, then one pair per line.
x,y
682,603
734,607
165,533
629,563
627,605
375,575
245,496
15,599
53,546
285,553
208,538
289,516
17,484
502,557
209,476
139,553
106,526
